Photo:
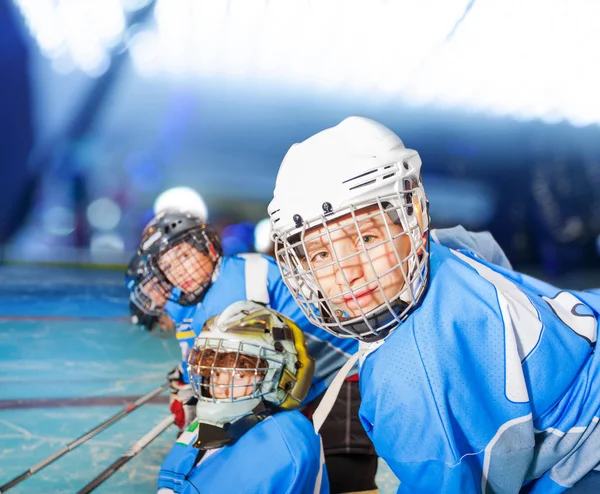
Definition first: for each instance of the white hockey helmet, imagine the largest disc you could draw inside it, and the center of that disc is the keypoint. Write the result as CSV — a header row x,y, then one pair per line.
x,y
334,176
247,339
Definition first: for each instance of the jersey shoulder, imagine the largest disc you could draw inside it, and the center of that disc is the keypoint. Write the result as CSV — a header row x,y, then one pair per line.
x,y
276,452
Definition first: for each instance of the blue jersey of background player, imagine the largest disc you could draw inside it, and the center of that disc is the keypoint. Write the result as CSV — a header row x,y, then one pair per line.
x,y
250,370
479,379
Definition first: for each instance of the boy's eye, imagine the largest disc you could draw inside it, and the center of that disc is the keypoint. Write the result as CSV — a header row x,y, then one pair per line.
x,y
367,239
319,256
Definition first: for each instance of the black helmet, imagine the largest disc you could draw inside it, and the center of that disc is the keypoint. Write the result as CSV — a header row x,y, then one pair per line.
x,y
141,318
145,311
171,228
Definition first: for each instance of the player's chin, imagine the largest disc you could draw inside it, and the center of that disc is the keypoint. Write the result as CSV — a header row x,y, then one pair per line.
x,y
190,289
354,309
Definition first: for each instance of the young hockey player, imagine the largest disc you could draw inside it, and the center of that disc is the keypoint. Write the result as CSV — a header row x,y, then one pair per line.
x,y
479,379
250,370
147,299
185,253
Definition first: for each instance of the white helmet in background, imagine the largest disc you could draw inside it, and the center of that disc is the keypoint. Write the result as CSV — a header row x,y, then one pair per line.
x,y
356,171
266,364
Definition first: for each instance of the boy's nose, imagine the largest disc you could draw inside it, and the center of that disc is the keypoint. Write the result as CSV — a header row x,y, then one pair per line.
x,y
223,381
351,267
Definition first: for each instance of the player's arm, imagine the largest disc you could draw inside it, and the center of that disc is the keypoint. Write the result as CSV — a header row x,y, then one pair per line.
x,y
482,244
182,401
180,461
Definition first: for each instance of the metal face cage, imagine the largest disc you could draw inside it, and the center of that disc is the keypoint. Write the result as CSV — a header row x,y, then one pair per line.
x,y
223,370
360,272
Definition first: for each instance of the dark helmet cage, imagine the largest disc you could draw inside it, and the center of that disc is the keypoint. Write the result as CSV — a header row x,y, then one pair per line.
x,y
169,229
141,318
143,301
139,280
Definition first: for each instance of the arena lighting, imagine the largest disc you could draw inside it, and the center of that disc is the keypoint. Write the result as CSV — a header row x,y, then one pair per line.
x,y
81,30
262,236
104,214
106,246
182,199
523,59
527,60
59,220
325,43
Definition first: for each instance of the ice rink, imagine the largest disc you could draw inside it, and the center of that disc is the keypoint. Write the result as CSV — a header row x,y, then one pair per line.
x,y
69,360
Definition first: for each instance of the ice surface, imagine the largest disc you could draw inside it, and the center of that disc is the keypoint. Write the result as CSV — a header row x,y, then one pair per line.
x,y
64,333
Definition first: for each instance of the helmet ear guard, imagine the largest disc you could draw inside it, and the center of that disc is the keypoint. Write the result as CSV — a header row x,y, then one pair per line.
x,y
297,385
144,310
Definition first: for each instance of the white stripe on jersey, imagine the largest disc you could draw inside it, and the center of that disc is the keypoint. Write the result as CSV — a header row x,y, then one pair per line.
x,y
256,274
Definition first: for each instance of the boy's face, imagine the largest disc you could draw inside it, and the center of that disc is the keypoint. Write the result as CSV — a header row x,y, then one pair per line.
x,y
154,291
186,267
243,383
381,254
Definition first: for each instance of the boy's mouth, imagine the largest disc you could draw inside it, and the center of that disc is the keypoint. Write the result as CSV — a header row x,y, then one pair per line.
x,y
187,284
358,295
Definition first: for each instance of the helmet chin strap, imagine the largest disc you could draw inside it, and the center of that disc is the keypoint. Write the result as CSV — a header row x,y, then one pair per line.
x,y
213,436
380,317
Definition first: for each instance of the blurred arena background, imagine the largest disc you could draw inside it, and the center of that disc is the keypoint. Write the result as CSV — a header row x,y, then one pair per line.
x,y
107,104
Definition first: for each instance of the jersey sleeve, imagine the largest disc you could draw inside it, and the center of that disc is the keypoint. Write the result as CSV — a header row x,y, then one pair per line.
x,y
482,244
303,469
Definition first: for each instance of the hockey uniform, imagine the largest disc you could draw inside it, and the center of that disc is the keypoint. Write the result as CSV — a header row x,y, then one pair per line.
x,y
279,455
490,385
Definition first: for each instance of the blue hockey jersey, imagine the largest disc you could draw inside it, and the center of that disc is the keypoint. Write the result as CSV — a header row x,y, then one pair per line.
x,y
179,313
279,455
257,277
492,383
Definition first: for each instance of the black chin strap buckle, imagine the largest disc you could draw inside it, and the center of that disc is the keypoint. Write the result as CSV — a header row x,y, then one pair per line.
x,y
212,437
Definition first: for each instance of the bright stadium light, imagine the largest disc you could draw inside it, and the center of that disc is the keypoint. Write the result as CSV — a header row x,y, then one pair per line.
x,y
541,70
104,214
181,199
83,30
59,220
262,236
143,47
528,60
